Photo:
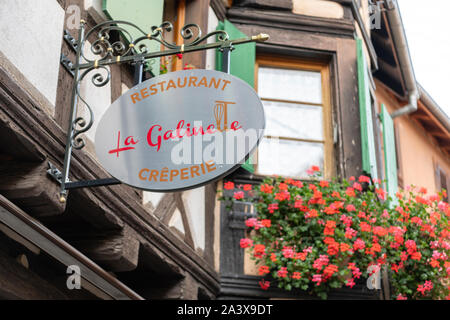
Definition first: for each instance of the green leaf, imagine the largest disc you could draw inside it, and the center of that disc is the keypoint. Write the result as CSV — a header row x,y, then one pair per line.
x,y
322,295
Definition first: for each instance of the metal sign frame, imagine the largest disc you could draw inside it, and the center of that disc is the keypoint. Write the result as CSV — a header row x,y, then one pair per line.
x,y
124,50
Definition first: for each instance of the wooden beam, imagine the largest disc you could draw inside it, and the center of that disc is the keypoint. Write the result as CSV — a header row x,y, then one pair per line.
x,y
219,9
188,236
117,252
29,186
165,208
210,203
435,121
420,116
19,146
99,215
197,12
17,282
177,64
439,134
183,289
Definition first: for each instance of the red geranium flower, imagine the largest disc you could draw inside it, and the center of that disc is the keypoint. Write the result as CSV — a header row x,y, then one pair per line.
x,y
350,192
359,244
272,207
362,179
311,214
263,270
228,185
282,273
264,284
265,188
239,195
350,283
416,256
324,183
266,223
283,187
259,250
246,243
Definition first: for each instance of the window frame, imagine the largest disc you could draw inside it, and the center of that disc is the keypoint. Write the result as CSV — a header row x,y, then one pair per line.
x,y
293,63
439,174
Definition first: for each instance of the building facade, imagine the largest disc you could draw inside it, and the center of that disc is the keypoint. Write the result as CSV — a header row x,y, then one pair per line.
x,y
338,90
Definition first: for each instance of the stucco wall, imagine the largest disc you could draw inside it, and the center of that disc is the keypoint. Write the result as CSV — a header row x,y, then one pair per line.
x,y
417,151
31,35
318,8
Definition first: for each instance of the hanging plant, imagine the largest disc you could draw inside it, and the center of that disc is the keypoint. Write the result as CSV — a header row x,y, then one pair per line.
x,y
324,235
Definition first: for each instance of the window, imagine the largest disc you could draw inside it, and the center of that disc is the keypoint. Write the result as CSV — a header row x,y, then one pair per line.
x,y
298,133
442,182
397,130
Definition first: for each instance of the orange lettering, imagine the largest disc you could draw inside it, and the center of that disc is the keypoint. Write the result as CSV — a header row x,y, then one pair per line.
x,y
184,174
192,80
194,169
210,166
216,84
153,90
153,175
144,93
140,173
134,97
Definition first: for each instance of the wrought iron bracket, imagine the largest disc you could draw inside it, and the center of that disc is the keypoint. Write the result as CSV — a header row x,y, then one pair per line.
x,y
73,44
124,50
57,175
54,172
67,64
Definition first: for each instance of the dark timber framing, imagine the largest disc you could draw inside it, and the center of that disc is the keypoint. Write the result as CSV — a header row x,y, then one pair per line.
x,y
50,243
37,136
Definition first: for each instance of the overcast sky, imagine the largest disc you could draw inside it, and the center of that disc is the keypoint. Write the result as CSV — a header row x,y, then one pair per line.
x,y
427,26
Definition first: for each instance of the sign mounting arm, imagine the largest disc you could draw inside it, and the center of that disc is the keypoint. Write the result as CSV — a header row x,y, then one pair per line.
x,y
126,50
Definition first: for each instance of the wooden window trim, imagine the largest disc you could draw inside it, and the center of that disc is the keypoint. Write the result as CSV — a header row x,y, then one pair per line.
x,y
307,65
439,172
398,149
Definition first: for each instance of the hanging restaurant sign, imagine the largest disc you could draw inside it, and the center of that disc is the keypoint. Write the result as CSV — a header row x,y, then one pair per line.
x,y
180,130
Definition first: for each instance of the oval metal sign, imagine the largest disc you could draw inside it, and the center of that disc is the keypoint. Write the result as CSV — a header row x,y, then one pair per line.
x,y
180,130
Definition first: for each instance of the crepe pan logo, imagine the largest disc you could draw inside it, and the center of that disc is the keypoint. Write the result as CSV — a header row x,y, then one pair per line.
x,y
221,113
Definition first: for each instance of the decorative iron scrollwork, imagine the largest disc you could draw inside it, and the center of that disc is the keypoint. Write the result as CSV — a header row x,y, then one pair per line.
x,y
126,46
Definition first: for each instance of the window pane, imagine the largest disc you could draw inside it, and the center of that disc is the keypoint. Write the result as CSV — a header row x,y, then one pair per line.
x,y
288,158
293,85
293,120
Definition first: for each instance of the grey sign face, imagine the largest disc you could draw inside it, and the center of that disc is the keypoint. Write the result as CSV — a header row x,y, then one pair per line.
x,y
180,130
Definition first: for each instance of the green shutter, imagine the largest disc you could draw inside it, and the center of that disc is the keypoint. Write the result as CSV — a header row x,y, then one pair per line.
x,y
369,162
144,14
390,158
242,64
